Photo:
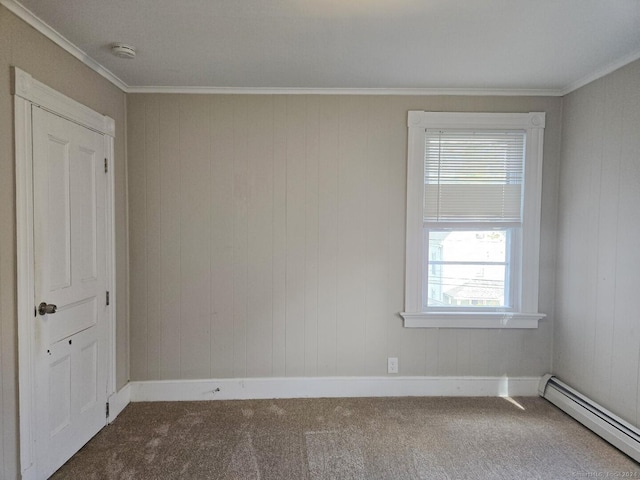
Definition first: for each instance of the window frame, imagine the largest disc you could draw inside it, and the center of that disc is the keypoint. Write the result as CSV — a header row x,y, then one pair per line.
x,y
525,313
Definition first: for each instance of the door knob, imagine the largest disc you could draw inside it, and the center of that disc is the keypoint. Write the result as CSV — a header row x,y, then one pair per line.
x,y
47,308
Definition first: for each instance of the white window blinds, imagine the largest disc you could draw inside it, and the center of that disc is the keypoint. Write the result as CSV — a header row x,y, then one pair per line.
x,y
473,176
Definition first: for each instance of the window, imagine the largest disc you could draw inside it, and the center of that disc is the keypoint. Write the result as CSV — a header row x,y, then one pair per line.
x,y
473,219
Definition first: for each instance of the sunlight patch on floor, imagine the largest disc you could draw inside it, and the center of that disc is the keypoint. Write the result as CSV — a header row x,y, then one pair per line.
x,y
514,402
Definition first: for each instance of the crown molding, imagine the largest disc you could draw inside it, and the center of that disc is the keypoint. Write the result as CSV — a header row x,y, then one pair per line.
x,y
346,91
607,69
36,22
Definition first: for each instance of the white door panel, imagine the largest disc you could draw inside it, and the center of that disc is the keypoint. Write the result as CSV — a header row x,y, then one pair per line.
x,y
75,413
70,272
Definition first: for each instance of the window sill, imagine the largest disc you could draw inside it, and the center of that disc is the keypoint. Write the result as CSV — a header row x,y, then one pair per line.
x,y
471,320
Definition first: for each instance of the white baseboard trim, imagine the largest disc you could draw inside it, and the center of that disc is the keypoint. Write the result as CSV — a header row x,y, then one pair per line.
x,y
319,387
28,473
118,401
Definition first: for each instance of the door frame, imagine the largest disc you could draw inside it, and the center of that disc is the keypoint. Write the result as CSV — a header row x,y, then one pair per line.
x,y
29,92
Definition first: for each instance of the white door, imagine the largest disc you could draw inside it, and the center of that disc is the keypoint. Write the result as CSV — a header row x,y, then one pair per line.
x,y
69,346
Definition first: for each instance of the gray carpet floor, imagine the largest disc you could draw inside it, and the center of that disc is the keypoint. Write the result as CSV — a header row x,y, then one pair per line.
x,y
348,438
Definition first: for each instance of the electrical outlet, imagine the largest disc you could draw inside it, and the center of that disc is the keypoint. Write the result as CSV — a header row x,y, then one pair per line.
x,y
392,365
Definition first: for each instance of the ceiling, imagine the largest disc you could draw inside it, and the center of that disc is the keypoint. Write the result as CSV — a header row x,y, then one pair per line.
x,y
540,46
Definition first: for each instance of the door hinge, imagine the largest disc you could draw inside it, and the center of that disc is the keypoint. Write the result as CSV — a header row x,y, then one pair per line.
x,y
107,410
107,298
106,166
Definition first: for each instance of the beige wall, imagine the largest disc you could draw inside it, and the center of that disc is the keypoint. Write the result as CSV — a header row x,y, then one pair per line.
x,y
597,334
267,238
22,46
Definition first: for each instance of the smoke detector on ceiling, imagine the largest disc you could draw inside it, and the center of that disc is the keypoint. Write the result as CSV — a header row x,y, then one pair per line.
x,y
123,51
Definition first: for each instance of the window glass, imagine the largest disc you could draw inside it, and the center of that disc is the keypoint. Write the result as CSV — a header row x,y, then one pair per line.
x,y
468,267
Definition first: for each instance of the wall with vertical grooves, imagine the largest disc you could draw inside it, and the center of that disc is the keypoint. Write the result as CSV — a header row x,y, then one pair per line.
x,y
597,331
268,237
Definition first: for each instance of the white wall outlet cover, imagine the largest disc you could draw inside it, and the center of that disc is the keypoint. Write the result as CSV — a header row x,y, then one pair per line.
x,y
392,365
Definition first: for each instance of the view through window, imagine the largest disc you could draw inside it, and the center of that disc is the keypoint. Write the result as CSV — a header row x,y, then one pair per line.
x,y
467,268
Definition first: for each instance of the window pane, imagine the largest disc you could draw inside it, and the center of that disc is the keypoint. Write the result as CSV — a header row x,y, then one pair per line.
x,y
467,268
468,246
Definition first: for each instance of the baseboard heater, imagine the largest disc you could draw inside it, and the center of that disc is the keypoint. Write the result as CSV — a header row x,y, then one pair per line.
x,y
601,421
